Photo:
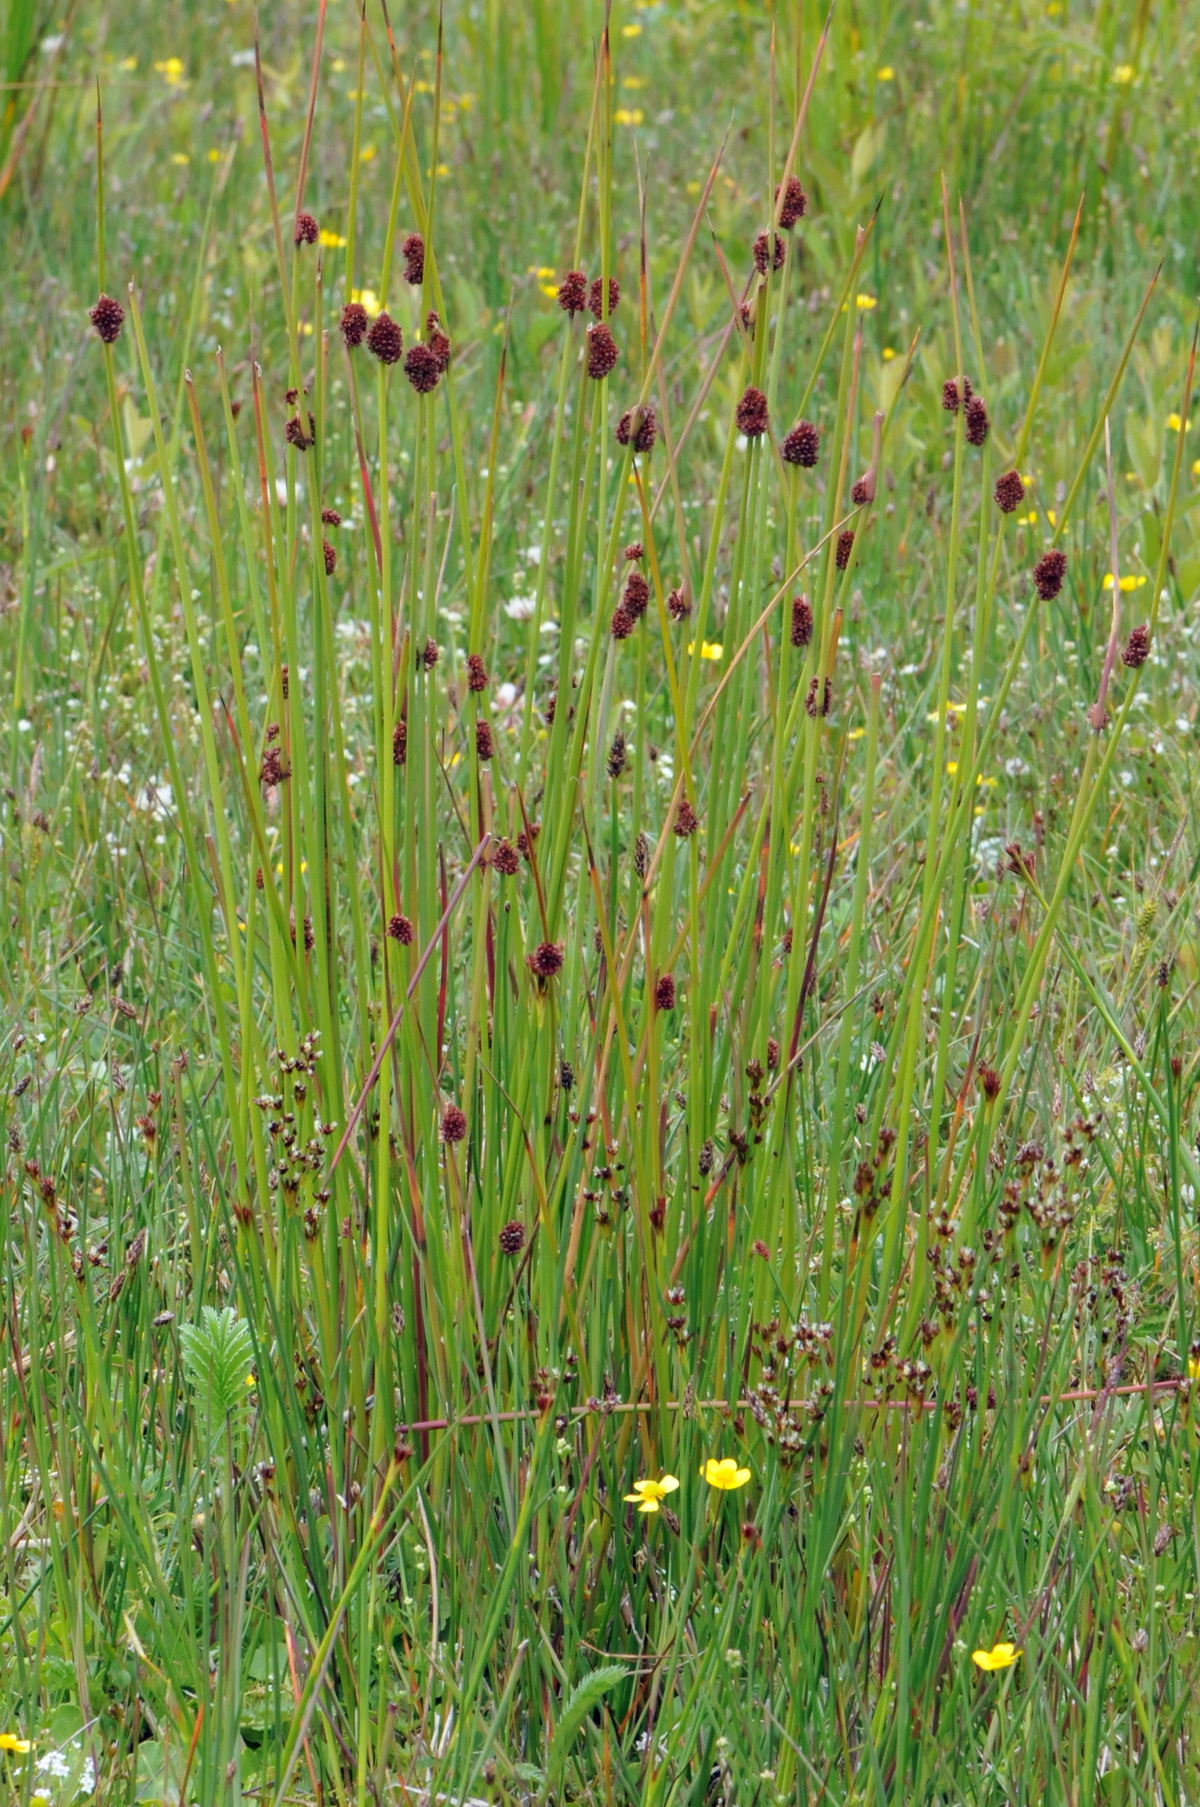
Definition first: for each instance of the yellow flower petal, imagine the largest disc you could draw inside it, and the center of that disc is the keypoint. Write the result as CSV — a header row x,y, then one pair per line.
x,y
724,1474
1000,1656
1123,74
629,116
886,74
333,240
9,1742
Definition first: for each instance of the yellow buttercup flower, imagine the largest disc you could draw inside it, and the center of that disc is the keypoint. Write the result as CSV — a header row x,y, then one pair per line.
x,y
709,649
1123,74
629,116
864,303
725,1474
886,74
1128,582
18,1745
647,1494
1174,422
1000,1656
368,297
1193,1367
332,240
171,71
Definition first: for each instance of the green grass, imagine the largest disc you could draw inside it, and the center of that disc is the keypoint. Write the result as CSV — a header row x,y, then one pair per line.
x,y
319,1420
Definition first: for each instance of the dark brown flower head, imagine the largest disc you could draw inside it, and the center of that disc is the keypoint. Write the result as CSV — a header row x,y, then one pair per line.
x,y
636,594
549,712
596,297
400,742
527,839
802,445
573,292
546,960
772,1054
306,229
330,517
602,352
385,341
989,1083
454,1124
795,203
354,324
512,1238
272,771
295,435
951,393
330,558
763,254
640,430
1049,572
431,652
477,676
751,414
483,740
634,553
422,368
401,929
664,993
615,763
678,605
1009,492
623,622
566,1075
862,492
437,341
802,621
845,545
412,250
977,420
1137,648
686,819
107,317
505,859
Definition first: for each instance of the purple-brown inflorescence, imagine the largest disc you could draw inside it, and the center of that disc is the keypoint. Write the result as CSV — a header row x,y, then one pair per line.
x,y
678,605
437,340
977,420
330,517
107,316
546,960
954,390
596,297
636,594
295,435
454,1124
634,553
1009,492
412,250
512,1238
764,255
422,368
623,622
354,324
795,203
638,427
802,621
400,929
385,341
400,742
506,860
602,352
484,747
751,414
477,676
845,545
615,763
802,445
330,558
1049,572
686,819
305,231
1137,647
431,652
573,292
664,993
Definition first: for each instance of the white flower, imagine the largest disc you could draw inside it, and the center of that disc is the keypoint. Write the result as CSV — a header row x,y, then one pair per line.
x,y
521,608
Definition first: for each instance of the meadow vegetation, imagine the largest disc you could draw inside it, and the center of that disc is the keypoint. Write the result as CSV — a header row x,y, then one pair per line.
x,y
598,901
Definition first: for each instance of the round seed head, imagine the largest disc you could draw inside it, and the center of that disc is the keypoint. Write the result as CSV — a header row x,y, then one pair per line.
x,y
977,420
802,621
401,929
845,545
483,740
422,367
1049,572
573,292
306,229
795,203
546,960
354,324
764,255
1137,648
664,993
412,250
686,819
751,415
330,517
636,594
802,445
596,297
1009,492
506,859
107,316
512,1238
454,1124
602,352
385,341
623,622
477,676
